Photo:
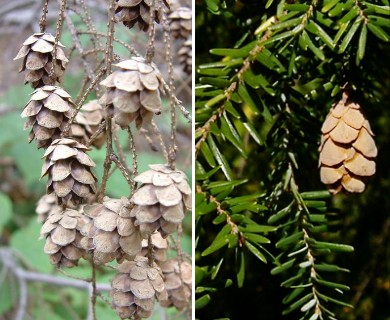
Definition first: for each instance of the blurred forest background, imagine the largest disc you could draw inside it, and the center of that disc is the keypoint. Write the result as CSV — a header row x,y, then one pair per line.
x,y
20,165
360,220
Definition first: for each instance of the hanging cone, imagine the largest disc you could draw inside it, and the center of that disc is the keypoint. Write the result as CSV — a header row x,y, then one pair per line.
x,y
185,56
62,233
178,283
46,205
37,54
70,172
136,287
180,22
131,12
347,149
133,92
111,233
47,112
161,200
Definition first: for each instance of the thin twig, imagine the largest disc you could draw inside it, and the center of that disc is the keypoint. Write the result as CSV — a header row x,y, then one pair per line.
x,y
168,58
60,20
77,44
109,58
101,128
126,45
8,260
134,157
82,100
42,21
151,34
121,154
114,158
157,133
93,293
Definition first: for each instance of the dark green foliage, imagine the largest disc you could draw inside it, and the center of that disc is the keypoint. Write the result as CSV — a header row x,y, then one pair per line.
x,y
264,222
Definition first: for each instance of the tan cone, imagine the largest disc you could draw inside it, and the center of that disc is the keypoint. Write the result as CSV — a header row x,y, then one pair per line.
x,y
185,56
180,22
136,287
132,12
86,123
62,233
111,233
133,92
161,200
347,149
69,171
47,113
37,54
178,283
159,244
46,205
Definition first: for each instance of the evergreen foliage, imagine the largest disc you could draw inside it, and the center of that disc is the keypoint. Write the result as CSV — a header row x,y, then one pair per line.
x,y
264,221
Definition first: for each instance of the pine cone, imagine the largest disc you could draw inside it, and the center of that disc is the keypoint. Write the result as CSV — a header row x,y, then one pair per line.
x,y
133,92
178,283
185,56
161,200
160,246
47,205
48,112
347,148
86,123
111,233
180,22
135,288
37,53
62,233
130,12
70,172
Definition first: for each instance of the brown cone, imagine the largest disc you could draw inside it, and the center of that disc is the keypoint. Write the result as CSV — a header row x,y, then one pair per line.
x,y
86,123
180,22
62,233
161,200
131,12
47,112
178,283
133,92
46,205
69,171
347,149
136,287
37,54
111,233
185,56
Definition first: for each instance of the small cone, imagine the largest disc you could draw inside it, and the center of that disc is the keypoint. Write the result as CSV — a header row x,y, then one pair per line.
x,y
347,149
47,113
132,12
161,200
185,56
70,173
37,54
136,287
180,22
178,283
62,233
133,92
46,205
111,233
